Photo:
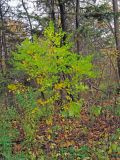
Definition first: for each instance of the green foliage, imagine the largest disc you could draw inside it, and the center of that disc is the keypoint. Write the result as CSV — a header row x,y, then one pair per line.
x,y
57,72
115,142
73,110
117,109
108,147
95,111
55,75
8,134
100,12
31,114
72,153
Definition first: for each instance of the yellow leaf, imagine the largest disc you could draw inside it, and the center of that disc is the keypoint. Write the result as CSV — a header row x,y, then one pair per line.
x,y
59,86
49,121
49,137
41,102
12,87
35,110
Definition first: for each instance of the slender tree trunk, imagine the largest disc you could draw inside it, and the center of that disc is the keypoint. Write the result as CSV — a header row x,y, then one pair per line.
x,y
62,17
3,42
77,25
29,20
117,32
52,11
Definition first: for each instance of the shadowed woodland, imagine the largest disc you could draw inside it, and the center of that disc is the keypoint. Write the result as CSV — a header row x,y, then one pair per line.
x,y
59,80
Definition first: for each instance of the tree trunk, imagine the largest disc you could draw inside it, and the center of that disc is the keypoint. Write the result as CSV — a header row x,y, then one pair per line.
x,y
62,17
29,20
52,11
117,32
77,25
3,48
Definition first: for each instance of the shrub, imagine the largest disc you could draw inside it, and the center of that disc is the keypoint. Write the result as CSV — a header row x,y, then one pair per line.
x,y
57,72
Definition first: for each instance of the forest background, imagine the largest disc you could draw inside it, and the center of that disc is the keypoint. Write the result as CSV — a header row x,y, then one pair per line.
x,y
59,79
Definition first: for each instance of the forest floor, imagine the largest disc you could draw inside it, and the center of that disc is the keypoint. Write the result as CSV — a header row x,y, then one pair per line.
x,y
77,137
